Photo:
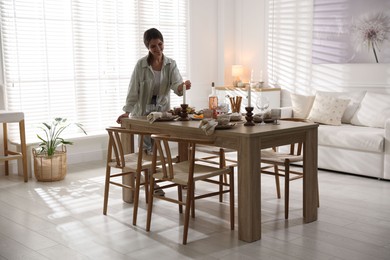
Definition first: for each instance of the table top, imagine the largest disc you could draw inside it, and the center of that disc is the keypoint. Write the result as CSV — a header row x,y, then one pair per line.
x,y
227,137
238,130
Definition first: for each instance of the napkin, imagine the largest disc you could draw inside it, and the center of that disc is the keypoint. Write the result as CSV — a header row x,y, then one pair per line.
x,y
153,116
208,126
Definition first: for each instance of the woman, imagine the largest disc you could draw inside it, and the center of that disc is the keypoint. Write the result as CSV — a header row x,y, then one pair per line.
x,y
153,77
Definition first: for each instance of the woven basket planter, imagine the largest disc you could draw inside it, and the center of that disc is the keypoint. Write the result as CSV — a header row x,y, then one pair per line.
x,y
50,168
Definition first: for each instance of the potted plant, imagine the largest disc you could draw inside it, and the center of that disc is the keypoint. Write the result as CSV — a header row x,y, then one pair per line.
x,y
49,161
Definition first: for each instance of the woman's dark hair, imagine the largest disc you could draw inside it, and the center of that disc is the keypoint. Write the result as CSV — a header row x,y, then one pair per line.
x,y
151,34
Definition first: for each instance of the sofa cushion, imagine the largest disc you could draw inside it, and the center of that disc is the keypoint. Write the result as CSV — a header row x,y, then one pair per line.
x,y
301,105
355,97
327,109
352,137
373,110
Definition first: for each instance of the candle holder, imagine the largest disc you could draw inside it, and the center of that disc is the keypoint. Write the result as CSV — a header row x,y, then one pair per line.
x,y
249,116
183,113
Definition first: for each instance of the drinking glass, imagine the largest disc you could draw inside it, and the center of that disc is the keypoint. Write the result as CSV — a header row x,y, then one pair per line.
x,y
275,115
262,103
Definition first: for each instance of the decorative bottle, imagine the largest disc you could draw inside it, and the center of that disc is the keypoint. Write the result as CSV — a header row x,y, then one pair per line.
x,y
213,98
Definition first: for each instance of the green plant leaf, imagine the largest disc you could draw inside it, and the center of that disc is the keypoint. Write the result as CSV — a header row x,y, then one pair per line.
x,y
53,132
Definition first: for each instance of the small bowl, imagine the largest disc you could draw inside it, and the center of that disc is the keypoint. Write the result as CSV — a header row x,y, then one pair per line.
x,y
257,119
223,119
235,117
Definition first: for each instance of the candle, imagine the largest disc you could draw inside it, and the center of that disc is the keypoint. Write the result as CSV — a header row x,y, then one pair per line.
x,y
251,77
184,93
249,95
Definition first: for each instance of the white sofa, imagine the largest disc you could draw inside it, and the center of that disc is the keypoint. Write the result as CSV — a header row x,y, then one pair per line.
x,y
354,130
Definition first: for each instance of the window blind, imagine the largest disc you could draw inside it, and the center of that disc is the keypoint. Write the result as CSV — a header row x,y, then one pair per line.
x,y
289,42
74,58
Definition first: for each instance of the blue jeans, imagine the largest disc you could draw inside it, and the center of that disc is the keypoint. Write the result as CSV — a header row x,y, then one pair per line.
x,y
147,144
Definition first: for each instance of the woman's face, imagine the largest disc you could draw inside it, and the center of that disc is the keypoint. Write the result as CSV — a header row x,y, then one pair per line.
x,y
156,47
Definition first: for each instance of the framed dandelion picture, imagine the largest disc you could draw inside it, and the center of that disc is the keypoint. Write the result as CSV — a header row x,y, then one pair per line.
x,y
351,31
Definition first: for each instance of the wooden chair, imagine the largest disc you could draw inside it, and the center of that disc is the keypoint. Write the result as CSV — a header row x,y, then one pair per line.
x,y
274,160
132,163
7,117
185,173
217,156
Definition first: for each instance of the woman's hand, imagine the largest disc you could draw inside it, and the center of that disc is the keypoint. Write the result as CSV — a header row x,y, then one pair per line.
x,y
187,84
119,120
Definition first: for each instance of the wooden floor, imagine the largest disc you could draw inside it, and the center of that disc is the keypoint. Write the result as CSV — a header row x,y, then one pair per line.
x,y
64,220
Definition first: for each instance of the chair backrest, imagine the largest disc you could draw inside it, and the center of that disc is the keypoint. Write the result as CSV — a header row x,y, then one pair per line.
x,y
115,150
162,150
296,148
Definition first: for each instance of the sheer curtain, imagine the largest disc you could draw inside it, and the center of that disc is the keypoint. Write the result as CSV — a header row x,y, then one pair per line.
x,y
74,58
289,43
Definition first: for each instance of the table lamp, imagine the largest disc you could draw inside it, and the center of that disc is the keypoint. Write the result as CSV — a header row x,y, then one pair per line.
x,y
237,71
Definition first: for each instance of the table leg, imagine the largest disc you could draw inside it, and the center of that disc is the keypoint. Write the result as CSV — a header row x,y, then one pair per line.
x,y
249,190
183,151
310,178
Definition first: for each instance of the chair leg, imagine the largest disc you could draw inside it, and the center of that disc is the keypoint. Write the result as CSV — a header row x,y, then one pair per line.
x,y
231,197
5,146
221,180
189,200
180,197
222,164
277,180
286,188
150,205
192,201
106,189
24,149
136,197
146,185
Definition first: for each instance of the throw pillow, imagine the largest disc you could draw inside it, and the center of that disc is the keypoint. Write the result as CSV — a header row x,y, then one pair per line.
x,y
373,110
355,97
328,110
301,105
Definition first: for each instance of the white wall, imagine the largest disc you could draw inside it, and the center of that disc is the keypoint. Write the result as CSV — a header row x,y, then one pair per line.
x,y
223,33
203,46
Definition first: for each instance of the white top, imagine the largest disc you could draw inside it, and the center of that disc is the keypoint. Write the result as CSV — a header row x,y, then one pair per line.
x,y
157,80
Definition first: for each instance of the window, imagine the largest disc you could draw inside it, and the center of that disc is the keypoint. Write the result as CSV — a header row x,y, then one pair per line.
x,y
289,43
74,58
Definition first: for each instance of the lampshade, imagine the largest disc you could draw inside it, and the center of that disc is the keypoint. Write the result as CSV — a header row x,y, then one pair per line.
x,y
237,70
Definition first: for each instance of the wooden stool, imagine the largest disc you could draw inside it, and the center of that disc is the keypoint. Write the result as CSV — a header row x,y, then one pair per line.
x,y
14,117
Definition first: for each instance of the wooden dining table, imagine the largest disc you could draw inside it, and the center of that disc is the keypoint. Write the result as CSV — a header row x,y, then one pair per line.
x,y
248,141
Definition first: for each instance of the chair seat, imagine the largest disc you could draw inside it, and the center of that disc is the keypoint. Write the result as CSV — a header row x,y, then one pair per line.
x,y
131,162
11,117
212,149
270,156
10,157
201,172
